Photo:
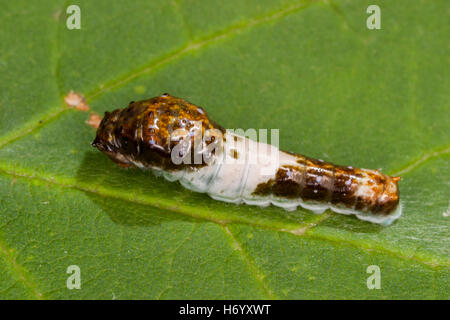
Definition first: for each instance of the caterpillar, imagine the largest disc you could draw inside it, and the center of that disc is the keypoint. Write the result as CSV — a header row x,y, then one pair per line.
x,y
164,134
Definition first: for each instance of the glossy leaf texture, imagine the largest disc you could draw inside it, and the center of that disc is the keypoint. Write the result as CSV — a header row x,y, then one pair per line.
x,y
312,69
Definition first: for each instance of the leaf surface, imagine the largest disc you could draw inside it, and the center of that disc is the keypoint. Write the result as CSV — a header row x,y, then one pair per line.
x,y
335,90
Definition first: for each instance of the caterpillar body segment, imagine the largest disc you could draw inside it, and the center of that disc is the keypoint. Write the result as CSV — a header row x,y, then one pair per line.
x,y
239,170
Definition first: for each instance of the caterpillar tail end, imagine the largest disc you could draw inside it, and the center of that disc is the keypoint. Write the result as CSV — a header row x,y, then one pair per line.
x,y
389,200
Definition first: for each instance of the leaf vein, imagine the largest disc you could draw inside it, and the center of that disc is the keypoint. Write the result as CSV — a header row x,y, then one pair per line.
x,y
196,45
259,277
18,270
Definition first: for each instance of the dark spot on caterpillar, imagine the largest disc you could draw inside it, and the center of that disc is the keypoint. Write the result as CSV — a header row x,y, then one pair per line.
x,y
264,188
234,154
344,187
287,183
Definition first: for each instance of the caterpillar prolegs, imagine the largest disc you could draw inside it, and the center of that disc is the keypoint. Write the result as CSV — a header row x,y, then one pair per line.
x,y
165,134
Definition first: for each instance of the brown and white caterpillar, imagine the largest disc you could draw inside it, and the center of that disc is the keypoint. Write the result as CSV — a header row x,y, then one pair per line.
x,y
147,134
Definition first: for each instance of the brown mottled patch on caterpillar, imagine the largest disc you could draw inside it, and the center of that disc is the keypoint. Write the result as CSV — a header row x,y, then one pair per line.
x,y
141,133
319,181
344,186
287,183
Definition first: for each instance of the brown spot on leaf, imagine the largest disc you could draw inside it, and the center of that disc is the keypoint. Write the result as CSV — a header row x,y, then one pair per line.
x,y
76,100
94,120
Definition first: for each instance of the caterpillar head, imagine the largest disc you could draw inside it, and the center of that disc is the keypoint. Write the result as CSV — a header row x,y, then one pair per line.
x,y
147,132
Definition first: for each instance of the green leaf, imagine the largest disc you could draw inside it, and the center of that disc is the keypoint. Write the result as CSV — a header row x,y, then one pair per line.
x,y
336,90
